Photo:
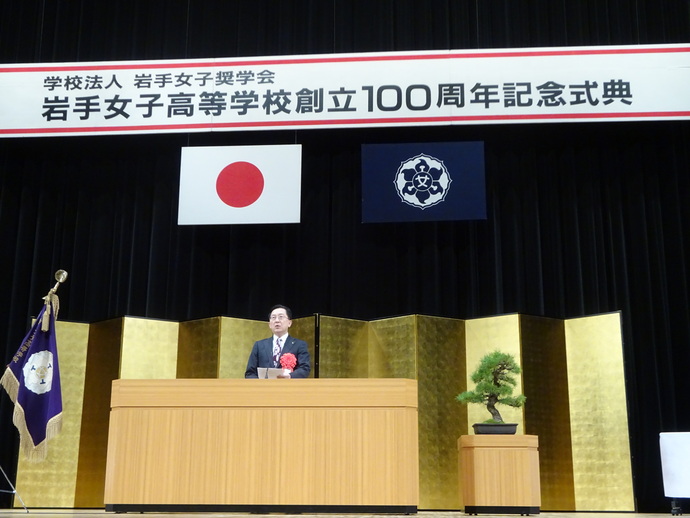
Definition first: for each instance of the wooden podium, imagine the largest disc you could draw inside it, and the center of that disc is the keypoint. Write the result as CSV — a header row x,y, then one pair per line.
x,y
269,445
499,474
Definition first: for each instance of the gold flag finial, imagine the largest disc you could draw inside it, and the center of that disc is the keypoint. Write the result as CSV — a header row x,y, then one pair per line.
x,y
52,301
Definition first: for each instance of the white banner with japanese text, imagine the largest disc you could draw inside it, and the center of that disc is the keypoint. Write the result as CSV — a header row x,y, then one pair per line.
x,y
567,84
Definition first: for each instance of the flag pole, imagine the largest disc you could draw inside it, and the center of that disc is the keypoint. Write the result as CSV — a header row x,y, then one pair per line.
x,y
52,304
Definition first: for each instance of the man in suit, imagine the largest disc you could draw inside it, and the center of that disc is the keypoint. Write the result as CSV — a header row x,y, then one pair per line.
x,y
267,352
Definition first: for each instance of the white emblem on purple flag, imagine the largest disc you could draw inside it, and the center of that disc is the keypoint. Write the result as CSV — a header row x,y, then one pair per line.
x,y
38,372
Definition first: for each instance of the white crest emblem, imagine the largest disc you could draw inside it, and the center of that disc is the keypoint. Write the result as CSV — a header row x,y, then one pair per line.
x,y
422,181
38,372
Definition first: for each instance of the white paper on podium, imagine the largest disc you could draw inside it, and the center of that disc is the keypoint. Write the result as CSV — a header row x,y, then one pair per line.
x,y
270,373
675,463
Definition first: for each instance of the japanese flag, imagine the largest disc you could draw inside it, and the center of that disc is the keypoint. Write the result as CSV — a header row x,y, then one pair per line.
x,y
222,185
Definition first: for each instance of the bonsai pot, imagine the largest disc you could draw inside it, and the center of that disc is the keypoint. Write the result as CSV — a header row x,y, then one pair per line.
x,y
495,428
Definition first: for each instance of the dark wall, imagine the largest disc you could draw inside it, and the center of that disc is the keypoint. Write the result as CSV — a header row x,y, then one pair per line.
x,y
583,218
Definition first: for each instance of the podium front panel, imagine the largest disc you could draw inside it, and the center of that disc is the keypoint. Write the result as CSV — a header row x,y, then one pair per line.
x,y
250,444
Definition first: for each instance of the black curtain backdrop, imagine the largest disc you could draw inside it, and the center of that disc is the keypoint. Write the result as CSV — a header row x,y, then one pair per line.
x,y
582,218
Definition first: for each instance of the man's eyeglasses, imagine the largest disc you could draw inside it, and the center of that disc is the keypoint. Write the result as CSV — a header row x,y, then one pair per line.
x,y
273,318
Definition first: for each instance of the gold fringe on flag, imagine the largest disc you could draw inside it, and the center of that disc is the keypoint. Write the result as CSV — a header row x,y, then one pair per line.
x,y
32,452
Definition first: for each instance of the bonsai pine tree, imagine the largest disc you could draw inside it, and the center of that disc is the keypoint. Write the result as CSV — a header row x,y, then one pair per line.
x,y
494,381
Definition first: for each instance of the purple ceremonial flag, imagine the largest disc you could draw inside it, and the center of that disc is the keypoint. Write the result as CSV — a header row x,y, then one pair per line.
x,y
32,380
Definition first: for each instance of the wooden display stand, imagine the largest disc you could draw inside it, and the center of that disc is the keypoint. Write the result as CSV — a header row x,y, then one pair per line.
x,y
269,445
499,474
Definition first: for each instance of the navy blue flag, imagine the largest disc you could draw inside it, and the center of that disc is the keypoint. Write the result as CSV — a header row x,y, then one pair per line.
x,y
32,380
440,181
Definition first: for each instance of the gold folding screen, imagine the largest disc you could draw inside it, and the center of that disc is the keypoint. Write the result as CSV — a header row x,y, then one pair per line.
x,y
347,353
568,366
547,411
440,366
599,420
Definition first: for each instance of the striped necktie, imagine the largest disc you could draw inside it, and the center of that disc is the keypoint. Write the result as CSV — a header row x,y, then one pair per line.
x,y
276,352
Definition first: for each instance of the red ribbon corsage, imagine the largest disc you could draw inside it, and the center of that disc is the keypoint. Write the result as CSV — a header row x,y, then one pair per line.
x,y
288,361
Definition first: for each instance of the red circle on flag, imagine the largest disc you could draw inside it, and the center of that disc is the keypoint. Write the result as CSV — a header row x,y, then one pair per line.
x,y
240,184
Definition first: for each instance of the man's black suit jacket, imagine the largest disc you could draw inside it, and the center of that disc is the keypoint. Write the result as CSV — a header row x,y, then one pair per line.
x,y
262,356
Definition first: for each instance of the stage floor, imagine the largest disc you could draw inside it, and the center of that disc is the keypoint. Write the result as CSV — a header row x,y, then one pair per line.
x,y
99,513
